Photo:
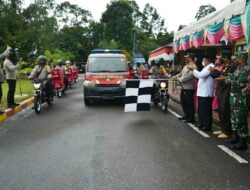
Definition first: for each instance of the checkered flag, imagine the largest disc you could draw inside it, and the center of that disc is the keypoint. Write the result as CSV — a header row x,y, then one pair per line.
x,y
138,95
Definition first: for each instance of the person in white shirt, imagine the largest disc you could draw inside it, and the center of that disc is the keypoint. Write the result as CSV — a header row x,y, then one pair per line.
x,y
10,69
205,93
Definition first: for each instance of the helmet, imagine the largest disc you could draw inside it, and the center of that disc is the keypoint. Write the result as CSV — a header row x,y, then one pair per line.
x,y
60,62
42,59
68,62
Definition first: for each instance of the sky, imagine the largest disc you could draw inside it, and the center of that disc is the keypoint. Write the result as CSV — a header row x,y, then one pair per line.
x,y
175,12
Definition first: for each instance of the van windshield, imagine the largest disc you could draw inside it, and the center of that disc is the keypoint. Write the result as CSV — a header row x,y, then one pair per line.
x,y
107,64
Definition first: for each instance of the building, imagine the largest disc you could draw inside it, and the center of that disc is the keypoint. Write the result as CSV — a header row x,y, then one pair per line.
x,y
228,28
165,51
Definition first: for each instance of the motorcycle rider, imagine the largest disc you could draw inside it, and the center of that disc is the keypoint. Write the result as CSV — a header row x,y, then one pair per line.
x,y
138,68
68,64
158,71
42,72
61,65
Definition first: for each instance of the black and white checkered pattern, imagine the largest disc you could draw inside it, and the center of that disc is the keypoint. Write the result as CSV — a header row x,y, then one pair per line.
x,y
138,95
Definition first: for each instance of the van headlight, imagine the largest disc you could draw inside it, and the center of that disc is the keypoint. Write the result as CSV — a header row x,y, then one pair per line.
x,y
88,83
163,85
37,86
123,84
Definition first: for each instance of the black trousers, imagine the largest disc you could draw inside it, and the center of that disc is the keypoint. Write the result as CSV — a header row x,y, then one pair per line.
x,y
11,92
224,112
187,102
1,92
205,111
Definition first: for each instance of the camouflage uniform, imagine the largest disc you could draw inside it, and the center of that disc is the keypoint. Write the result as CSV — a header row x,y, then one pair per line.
x,y
238,100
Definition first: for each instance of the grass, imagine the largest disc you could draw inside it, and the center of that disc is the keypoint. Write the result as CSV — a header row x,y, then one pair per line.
x,y
23,85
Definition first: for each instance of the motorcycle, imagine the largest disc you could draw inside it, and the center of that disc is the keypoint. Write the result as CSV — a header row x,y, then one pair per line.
x,y
40,95
70,77
75,73
161,95
58,82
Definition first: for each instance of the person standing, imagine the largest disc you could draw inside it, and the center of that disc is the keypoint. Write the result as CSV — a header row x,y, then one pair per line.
x,y
205,93
223,94
218,66
187,82
1,90
239,80
11,77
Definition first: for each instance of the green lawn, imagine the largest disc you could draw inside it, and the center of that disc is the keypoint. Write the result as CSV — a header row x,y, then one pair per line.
x,y
25,85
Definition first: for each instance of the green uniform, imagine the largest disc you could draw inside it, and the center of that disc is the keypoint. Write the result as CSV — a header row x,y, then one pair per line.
x,y
239,101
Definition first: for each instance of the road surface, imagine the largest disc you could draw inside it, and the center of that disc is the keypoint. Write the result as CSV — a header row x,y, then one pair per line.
x,y
71,146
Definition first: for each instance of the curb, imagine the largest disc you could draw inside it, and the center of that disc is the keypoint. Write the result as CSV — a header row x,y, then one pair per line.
x,y
10,112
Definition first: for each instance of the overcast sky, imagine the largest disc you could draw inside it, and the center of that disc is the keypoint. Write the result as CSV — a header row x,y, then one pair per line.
x,y
175,12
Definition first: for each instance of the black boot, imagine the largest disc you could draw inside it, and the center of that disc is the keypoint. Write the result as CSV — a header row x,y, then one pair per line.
x,y
241,145
235,139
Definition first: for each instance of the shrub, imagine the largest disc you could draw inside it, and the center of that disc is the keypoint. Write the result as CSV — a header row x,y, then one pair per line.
x,y
25,71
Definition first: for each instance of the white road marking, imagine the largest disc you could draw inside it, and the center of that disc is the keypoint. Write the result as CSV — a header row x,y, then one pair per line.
x,y
198,131
191,125
174,113
233,154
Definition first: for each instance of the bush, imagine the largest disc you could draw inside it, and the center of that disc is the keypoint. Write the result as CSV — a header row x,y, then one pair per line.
x,y
25,71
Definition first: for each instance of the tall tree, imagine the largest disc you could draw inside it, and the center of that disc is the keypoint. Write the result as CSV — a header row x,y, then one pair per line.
x,y
151,21
39,29
118,23
204,10
72,15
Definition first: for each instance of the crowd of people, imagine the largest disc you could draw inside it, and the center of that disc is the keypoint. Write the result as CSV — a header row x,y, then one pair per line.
x,y
41,71
226,83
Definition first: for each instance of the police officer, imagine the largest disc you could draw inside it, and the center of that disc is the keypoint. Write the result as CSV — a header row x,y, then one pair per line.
x,y
10,68
42,71
238,101
186,79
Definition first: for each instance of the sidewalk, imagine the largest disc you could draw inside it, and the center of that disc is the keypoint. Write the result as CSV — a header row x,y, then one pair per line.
x,y
10,112
174,93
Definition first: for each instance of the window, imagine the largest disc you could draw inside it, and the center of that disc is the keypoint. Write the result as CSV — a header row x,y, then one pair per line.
x,y
107,64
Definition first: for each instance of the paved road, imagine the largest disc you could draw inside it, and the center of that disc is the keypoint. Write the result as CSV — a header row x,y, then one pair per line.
x,y
71,146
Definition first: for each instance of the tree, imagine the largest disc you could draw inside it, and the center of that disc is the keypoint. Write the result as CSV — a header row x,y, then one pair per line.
x,y
58,54
151,21
106,44
204,10
72,15
118,23
39,31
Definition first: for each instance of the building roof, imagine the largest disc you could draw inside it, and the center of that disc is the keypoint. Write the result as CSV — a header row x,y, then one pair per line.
x,y
235,8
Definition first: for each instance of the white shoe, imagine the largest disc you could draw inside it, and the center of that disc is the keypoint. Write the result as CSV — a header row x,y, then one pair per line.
x,y
223,136
217,132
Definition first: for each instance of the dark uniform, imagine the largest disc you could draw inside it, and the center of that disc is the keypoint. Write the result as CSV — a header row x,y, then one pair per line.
x,y
223,94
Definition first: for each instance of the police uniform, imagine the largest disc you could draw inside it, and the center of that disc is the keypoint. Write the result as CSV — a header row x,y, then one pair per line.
x,y
42,73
